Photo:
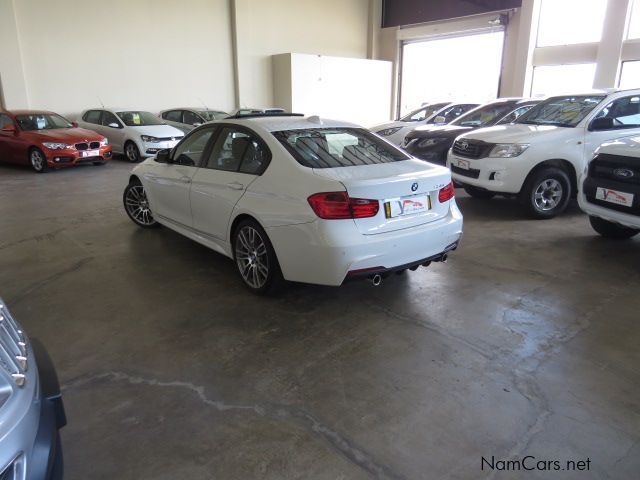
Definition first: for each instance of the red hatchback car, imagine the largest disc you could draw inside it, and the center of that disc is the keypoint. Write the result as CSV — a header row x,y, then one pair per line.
x,y
47,140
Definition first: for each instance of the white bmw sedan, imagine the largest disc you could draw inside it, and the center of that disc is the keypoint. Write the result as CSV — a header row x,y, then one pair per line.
x,y
299,199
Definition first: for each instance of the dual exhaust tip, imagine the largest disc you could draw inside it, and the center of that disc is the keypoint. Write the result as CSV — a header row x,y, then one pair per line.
x,y
376,279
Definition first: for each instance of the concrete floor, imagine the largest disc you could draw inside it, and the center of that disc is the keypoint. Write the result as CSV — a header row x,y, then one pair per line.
x,y
524,343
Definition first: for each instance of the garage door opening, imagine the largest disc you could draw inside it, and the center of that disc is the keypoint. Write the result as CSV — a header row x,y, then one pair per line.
x,y
460,68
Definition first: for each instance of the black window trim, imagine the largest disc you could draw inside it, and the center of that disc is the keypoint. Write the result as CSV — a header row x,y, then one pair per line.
x,y
219,128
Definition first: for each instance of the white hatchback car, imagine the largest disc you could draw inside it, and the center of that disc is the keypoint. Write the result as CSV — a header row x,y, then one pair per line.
x,y
136,134
300,199
610,189
540,157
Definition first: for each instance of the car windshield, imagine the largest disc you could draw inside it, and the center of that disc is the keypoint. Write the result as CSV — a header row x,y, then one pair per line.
x,y
514,114
42,121
561,111
484,115
210,115
338,147
423,113
138,119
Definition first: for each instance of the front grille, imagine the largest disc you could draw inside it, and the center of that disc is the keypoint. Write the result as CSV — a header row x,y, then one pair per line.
x,y
87,146
471,148
471,172
616,167
13,347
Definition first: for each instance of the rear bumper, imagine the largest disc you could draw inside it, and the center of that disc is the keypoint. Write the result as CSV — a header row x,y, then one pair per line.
x,y
325,251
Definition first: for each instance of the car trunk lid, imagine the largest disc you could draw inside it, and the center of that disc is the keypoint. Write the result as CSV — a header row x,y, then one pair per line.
x,y
407,192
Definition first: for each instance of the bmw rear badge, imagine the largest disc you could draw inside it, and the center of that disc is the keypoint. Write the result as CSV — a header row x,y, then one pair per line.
x,y
414,187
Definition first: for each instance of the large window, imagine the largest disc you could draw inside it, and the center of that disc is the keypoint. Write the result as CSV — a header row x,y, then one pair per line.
x,y
559,79
630,75
566,22
464,68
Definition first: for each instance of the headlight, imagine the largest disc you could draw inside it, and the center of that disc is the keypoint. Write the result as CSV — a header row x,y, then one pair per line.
x,y
429,142
508,150
388,131
56,146
104,142
148,139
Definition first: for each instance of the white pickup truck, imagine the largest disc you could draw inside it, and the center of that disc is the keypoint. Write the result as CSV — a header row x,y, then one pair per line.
x,y
540,157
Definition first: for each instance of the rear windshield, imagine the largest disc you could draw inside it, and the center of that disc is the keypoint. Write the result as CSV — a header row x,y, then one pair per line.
x,y
338,147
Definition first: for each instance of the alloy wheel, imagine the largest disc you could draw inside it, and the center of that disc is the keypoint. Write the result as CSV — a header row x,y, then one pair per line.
x,y
132,152
37,160
137,205
548,194
251,257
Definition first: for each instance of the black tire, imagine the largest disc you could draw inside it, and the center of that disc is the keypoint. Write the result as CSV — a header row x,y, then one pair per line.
x,y
247,241
137,206
131,152
37,160
612,230
546,193
476,192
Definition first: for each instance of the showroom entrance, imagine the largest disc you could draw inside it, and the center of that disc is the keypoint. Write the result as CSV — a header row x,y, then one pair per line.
x,y
455,67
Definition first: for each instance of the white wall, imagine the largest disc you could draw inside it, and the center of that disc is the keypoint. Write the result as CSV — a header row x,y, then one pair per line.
x,y
63,55
266,28
143,53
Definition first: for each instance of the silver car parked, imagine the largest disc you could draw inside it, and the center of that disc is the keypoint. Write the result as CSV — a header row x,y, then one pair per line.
x,y
186,119
31,409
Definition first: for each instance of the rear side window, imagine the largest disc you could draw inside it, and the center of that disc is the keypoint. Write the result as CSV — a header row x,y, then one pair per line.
x,y
237,150
338,147
93,116
173,116
5,121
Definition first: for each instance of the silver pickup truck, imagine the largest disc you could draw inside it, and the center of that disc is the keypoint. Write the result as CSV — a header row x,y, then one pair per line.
x,y
31,409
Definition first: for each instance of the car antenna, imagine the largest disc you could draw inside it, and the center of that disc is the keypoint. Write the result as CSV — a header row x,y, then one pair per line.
x,y
203,104
101,102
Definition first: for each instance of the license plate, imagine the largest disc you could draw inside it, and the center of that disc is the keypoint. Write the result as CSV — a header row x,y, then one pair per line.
x,y
614,196
399,207
91,153
464,164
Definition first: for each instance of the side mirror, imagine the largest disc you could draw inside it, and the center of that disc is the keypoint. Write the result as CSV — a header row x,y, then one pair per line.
x,y
197,124
9,128
440,119
164,156
74,124
113,125
602,123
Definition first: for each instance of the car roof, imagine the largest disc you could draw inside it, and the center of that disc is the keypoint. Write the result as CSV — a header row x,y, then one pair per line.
x,y
28,112
274,123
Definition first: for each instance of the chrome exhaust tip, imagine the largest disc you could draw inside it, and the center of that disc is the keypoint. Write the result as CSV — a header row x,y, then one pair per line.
x,y
376,280
444,257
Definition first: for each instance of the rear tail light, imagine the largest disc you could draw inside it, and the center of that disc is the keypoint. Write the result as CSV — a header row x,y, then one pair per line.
x,y
446,193
338,205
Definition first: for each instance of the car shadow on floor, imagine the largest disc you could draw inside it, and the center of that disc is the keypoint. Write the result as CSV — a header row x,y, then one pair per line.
x,y
502,208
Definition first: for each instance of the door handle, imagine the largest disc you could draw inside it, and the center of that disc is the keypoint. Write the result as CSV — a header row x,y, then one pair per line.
x,y
185,179
235,186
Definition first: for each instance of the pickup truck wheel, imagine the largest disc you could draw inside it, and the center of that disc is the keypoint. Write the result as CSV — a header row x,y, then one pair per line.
x,y
612,230
546,193
476,192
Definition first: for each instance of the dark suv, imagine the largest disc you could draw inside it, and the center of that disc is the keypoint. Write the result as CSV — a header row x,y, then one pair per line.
x,y
431,143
